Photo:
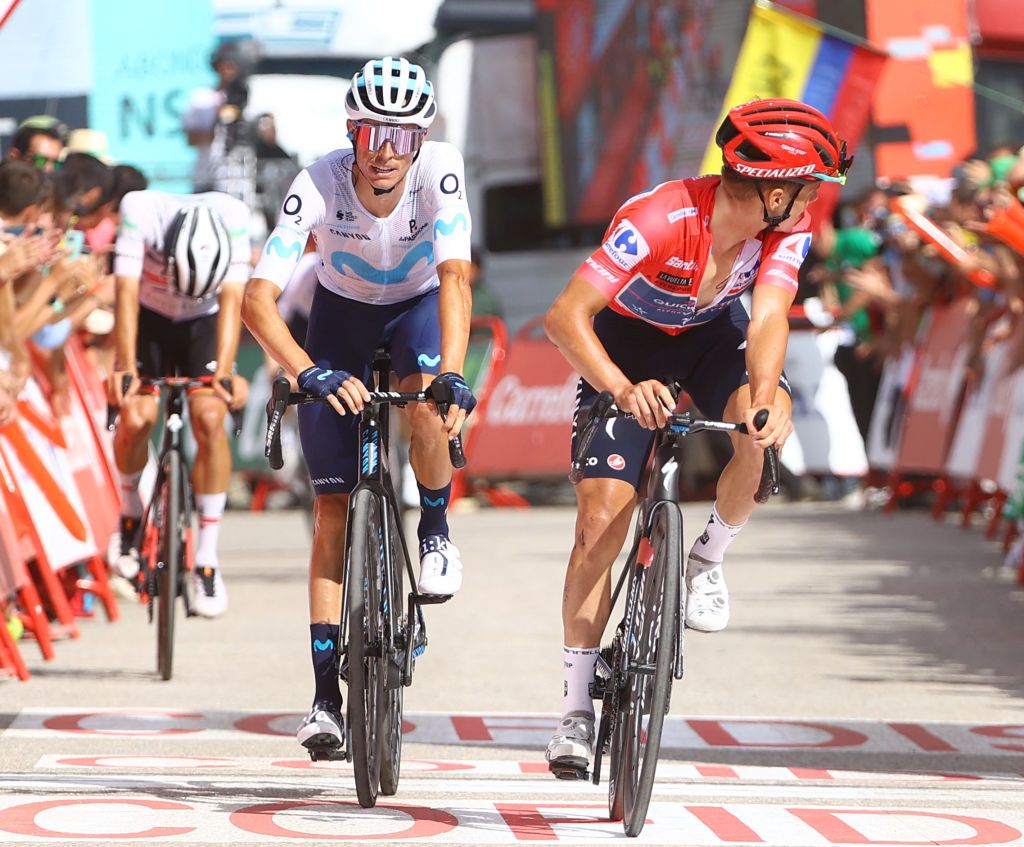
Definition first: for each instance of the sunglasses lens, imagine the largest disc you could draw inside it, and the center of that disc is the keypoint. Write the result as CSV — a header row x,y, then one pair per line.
x,y
402,139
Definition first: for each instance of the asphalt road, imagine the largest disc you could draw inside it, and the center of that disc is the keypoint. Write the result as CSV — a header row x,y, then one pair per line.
x,y
869,690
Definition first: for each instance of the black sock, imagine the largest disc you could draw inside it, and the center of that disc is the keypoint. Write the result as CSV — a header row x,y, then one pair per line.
x,y
323,641
434,511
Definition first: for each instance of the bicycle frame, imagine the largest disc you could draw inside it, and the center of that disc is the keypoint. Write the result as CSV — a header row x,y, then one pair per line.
x,y
375,474
172,441
661,493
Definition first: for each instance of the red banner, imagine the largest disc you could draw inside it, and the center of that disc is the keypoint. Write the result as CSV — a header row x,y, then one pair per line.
x,y
923,104
935,391
525,427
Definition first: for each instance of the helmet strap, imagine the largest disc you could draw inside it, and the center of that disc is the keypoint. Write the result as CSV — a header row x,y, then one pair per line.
x,y
773,221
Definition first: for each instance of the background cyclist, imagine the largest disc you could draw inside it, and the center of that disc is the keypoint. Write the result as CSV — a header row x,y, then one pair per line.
x,y
392,232
659,301
181,264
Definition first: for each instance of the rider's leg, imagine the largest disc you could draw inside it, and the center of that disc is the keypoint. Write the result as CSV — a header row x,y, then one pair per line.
x,y
210,481
707,596
604,511
326,575
440,561
211,472
131,449
428,455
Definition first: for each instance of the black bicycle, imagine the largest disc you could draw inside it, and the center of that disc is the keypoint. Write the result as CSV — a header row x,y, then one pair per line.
x,y
166,553
382,630
633,677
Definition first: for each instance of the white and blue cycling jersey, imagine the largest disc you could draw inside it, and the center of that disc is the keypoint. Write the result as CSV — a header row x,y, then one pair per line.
x,y
363,257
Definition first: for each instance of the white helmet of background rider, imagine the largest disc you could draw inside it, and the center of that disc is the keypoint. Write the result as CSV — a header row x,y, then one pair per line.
x,y
197,252
391,91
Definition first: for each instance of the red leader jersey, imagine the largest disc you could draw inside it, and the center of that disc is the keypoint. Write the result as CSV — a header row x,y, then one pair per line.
x,y
657,247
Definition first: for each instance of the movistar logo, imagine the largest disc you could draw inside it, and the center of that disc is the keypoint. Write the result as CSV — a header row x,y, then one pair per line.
x,y
285,252
428,361
323,376
445,228
428,502
323,646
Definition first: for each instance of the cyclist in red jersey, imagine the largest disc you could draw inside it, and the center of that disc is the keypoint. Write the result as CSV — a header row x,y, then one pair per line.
x,y
659,301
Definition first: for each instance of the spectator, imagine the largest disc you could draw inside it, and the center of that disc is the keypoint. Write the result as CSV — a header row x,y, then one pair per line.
x,y
39,140
275,169
221,107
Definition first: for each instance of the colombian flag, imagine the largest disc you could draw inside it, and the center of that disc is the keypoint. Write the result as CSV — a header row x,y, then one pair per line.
x,y
787,55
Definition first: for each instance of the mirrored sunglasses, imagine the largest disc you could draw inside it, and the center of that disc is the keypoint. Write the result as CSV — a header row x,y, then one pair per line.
x,y
404,140
41,161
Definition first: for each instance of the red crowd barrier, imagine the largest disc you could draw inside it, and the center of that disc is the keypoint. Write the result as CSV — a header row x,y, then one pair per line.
x,y
956,434
58,506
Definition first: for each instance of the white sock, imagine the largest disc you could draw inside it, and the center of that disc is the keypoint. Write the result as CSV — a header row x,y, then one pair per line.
x,y
579,674
131,502
718,535
211,510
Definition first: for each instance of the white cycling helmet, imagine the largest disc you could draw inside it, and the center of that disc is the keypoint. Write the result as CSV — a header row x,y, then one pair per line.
x,y
392,91
197,252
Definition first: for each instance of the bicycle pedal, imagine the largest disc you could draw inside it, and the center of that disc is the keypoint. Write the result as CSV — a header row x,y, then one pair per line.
x,y
569,771
433,599
326,754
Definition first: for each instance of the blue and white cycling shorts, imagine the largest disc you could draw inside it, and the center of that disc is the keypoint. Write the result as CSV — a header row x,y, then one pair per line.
x,y
708,361
343,335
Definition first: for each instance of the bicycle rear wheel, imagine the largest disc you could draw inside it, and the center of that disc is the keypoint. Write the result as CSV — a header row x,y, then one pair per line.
x,y
367,668
649,645
170,550
399,629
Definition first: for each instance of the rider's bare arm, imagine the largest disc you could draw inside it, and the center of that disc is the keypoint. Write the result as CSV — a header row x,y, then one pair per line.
x,y
569,325
264,321
767,337
456,306
126,330
229,329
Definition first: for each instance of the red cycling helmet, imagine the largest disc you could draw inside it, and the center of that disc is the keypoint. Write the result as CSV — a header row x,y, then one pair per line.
x,y
782,139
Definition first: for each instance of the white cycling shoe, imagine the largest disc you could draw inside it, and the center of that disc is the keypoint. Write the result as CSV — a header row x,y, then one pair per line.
x,y
322,732
209,596
707,597
572,746
123,549
440,566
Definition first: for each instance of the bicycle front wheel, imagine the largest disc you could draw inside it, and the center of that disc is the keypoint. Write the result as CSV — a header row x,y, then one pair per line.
x,y
170,548
649,644
367,668
399,629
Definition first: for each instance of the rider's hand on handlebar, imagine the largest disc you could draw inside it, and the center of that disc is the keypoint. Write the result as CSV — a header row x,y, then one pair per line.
x,y
778,428
650,402
331,385
454,397
239,392
116,395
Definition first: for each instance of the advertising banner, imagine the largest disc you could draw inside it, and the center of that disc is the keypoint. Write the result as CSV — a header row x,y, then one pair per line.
x,y
826,439
36,452
629,95
526,423
935,391
144,68
923,106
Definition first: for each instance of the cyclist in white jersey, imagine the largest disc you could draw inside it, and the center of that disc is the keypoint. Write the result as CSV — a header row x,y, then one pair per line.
x,y
180,266
392,231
